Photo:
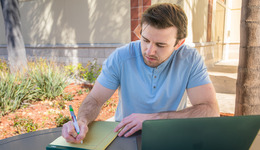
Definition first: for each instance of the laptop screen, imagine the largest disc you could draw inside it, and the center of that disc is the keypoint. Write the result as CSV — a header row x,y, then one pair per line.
x,y
218,133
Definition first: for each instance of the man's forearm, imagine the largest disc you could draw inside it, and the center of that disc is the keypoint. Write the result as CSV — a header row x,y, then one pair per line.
x,y
89,109
196,111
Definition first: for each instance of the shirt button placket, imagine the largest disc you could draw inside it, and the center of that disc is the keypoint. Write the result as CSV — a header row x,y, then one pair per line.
x,y
155,81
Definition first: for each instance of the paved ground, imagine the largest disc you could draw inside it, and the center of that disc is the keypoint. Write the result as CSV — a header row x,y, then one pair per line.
x,y
226,102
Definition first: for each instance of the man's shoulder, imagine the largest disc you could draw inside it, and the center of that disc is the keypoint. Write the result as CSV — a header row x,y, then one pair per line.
x,y
187,49
130,50
188,52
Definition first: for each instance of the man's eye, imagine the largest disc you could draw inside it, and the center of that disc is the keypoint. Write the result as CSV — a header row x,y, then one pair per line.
x,y
161,46
145,40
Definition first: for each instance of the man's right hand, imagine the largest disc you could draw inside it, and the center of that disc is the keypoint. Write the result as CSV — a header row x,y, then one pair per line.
x,y
70,134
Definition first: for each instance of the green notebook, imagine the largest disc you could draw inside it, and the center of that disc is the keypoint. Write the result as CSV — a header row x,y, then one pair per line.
x,y
220,133
99,136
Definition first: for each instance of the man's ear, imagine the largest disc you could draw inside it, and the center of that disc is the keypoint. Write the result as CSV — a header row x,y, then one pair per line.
x,y
180,42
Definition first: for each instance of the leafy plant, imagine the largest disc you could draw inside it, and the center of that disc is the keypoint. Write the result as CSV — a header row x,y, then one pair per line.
x,y
68,97
49,79
14,90
110,102
92,71
43,80
80,92
24,125
60,104
61,119
89,73
3,66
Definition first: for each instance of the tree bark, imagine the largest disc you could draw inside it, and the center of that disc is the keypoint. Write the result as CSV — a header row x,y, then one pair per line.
x,y
15,44
248,79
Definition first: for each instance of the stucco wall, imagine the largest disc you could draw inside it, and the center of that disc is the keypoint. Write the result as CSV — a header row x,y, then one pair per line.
x,y
54,22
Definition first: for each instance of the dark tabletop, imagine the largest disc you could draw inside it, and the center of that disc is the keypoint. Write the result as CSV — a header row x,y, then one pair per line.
x,y
40,139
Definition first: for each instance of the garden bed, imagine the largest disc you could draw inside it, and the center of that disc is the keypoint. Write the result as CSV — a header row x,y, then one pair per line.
x,y
50,114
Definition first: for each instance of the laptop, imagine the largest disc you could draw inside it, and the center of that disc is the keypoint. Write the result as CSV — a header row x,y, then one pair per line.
x,y
218,133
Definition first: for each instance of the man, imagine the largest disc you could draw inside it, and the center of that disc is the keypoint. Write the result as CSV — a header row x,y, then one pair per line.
x,y
151,76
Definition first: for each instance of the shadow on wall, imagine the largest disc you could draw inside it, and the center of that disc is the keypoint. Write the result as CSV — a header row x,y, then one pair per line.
x,y
72,22
54,28
199,10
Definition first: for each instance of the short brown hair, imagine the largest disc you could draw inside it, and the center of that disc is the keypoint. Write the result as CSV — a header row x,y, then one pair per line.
x,y
166,15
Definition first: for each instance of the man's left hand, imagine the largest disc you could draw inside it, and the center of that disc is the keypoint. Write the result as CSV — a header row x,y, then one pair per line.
x,y
132,124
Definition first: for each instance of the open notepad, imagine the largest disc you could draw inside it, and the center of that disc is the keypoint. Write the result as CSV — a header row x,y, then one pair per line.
x,y
99,136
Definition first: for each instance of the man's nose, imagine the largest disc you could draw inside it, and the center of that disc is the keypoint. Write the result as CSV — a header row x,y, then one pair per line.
x,y
151,49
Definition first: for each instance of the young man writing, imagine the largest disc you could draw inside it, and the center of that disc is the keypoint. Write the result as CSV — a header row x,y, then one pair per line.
x,y
151,76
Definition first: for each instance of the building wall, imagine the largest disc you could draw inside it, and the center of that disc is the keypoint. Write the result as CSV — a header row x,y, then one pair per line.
x,y
52,22
232,30
72,32
78,31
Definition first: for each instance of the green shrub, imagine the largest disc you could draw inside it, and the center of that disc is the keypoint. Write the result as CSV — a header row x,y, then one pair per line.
x,y
24,125
88,73
68,97
61,119
3,66
14,90
43,80
80,92
49,78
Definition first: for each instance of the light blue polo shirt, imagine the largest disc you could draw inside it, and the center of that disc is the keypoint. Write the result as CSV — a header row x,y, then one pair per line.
x,y
143,89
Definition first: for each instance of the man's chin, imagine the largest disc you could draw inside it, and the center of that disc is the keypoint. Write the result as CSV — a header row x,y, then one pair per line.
x,y
151,64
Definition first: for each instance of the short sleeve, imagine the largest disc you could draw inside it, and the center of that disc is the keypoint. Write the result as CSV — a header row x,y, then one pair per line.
x,y
110,73
198,75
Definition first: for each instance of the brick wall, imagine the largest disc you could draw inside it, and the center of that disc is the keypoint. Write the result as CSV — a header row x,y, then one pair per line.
x,y
137,8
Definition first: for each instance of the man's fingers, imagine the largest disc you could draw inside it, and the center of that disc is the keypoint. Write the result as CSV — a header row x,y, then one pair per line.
x,y
122,124
126,128
71,129
133,130
83,132
70,135
67,133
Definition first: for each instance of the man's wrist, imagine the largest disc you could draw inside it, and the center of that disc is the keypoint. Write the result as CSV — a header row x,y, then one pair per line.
x,y
84,121
161,115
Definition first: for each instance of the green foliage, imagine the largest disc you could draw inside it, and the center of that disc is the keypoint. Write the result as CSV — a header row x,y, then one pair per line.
x,y
110,102
60,104
43,80
24,125
80,92
68,97
49,79
13,91
89,73
61,119
3,66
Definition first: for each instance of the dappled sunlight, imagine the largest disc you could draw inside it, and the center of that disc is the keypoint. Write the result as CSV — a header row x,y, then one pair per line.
x,y
73,22
197,20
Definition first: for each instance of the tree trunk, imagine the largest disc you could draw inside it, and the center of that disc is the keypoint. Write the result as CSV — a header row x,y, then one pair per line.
x,y
15,44
248,79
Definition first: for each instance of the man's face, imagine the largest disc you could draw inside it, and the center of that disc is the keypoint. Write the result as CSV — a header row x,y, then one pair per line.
x,y
157,44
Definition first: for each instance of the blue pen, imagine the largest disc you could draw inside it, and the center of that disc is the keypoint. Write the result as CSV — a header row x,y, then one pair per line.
x,y
75,123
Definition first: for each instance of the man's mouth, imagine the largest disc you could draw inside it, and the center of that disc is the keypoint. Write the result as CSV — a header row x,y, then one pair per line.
x,y
150,58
